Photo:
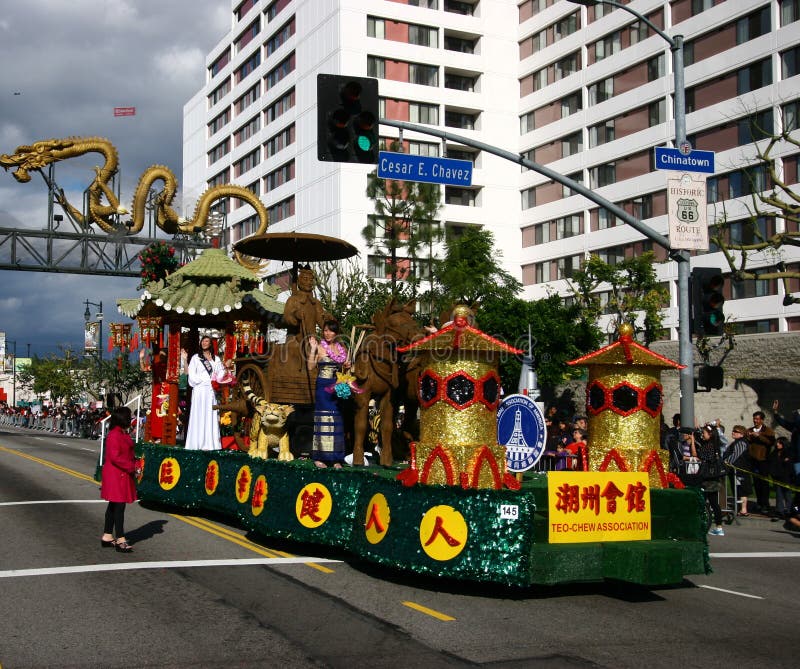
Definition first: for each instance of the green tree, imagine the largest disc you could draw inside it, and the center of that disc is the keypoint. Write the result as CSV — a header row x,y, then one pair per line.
x,y
59,377
350,295
558,334
633,289
471,272
404,225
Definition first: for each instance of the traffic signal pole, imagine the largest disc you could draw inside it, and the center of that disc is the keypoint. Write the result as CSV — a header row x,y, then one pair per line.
x,y
682,257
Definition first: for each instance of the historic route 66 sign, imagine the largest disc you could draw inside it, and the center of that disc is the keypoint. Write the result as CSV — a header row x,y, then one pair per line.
x,y
686,208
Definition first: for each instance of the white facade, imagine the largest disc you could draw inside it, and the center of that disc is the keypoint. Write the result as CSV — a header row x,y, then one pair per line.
x,y
332,36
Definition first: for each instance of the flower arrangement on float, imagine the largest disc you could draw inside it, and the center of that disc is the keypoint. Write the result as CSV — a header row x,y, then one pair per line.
x,y
158,261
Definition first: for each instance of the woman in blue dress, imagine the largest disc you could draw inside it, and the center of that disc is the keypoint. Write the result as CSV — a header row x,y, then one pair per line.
x,y
329,356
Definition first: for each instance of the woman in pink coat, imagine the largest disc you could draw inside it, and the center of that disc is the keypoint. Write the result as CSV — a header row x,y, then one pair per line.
x,y
118,486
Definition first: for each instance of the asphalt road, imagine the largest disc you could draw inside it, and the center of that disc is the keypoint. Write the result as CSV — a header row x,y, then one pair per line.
x,y
199,592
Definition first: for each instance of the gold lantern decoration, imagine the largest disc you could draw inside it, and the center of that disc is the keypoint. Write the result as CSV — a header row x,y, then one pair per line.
x,y
248,337
459,392
150,331
624,399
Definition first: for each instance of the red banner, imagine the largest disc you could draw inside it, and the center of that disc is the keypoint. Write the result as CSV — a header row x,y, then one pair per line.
x,y
124,111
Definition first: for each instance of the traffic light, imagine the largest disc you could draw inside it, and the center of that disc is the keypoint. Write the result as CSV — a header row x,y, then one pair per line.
x,y
711,376
347,119
707,300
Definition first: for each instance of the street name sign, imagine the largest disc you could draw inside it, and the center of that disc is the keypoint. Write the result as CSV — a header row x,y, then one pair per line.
x,y
430,169
668,158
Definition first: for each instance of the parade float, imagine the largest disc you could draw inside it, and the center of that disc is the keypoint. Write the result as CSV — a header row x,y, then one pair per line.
x,y
455,511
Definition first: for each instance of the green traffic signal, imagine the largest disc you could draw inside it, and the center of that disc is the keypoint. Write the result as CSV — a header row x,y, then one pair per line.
x,y
708,317
347,119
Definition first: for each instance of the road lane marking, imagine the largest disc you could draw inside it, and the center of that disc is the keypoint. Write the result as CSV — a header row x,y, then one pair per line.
x,y
754,555
199,523
431,612
730,592
55,501
52,465
164,564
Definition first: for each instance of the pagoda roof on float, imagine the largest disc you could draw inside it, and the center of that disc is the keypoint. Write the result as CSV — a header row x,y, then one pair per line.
x,y
211,286
625,351
459,336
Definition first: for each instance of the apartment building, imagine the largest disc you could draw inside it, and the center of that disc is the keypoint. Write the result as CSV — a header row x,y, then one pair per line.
x,y
446,63
596,87
586,91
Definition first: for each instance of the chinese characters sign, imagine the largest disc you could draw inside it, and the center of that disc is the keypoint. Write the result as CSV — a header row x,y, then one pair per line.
x,y
598,506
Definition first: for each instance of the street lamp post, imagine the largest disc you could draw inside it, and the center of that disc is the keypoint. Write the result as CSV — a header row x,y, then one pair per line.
x,y
685,354
13,376
99,316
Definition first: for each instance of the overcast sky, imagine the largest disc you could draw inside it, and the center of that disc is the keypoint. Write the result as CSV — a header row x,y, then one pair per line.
x,y
66,65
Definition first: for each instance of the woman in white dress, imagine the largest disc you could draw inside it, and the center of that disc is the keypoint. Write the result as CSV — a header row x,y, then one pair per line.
x,y
202,433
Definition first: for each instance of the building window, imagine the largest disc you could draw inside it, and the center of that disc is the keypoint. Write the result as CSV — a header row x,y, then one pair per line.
x,y
461,120
655,67
424,75
528,198
569,226
601,91
790,63
245,7
247,162
419,112
790,11
568,65
248,67
605,219
248,35
566,191
280,37
376,67
541,233
754,25
247,99
567,26
460,44
220,150
656,112
276,8
376,27
281,210
566,266
220,179
748,181
602,175
602,133
526,123
757,327
741,290
459,82
280,71
217,124
464,197
279,107
220,62
571,104
247,130
543,274
755,127
612,255
638,32
279,176
608,46
424,149
572,144
423,36
280,141
753,77
791,114
376,267
219,92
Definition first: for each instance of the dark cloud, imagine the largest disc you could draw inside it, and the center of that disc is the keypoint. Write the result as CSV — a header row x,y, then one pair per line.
x,y
72,63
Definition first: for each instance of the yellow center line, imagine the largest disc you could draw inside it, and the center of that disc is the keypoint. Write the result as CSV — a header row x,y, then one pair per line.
x,y
424,609
199,523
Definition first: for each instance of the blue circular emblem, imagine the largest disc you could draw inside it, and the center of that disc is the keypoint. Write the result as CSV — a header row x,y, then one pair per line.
x,y
521,429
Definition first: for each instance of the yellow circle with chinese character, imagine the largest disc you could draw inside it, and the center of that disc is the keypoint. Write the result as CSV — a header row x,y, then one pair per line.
x,y
376,524
313,506
243,481
260,491
169,473
212,477
443,533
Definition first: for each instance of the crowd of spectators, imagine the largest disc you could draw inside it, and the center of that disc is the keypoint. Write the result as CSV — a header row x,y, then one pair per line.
x,y
71,421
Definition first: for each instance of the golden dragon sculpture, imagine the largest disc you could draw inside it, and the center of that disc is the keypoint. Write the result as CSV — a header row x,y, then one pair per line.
x,y
104,209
